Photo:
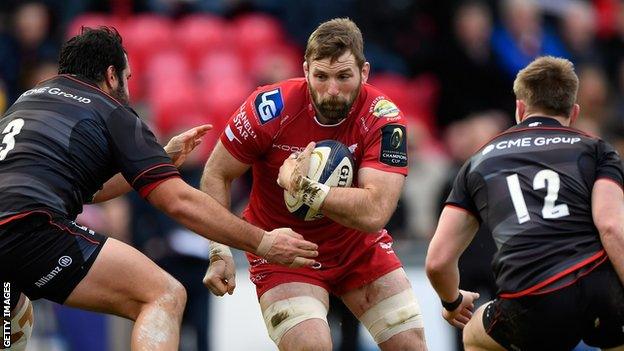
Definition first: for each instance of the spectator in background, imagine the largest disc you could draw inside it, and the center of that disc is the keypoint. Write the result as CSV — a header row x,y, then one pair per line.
x,y
578,31
613,49
3,96
521,36
618,114
40,72
28,43
593,95
470,78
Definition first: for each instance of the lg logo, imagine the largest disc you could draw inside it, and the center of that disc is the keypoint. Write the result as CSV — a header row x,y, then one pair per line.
x,y
269,105
267,108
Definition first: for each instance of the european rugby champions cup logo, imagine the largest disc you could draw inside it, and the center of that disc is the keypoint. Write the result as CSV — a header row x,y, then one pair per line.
x,y
393,150
397,138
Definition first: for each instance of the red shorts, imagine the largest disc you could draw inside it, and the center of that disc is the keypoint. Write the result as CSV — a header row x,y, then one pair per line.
x,y
357,260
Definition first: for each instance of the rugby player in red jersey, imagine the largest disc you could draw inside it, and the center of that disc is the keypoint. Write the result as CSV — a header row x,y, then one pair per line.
x,y
356,259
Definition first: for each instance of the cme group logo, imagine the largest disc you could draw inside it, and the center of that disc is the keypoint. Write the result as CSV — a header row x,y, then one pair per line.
x,y
65,261
487,149
269,105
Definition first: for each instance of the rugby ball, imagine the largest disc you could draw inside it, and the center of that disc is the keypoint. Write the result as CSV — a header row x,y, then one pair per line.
x,y
331,163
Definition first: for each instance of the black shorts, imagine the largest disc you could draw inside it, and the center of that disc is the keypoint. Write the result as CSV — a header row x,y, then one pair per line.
x,y
44,256
591,309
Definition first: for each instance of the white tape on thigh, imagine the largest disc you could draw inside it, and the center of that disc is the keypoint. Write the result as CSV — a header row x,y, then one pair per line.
x,y
283,315
393,315
21,325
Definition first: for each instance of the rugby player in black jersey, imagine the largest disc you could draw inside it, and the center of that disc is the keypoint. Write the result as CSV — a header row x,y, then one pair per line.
x,y
552,197
72,140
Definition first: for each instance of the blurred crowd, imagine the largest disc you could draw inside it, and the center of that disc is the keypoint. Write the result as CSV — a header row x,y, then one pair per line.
x,y
449,65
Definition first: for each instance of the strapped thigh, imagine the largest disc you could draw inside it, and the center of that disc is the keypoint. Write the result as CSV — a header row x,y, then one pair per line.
x,y
392,316
21,324
283,315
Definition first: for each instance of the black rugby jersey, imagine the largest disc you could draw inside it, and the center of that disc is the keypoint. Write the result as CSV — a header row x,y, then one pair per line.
x,y
532,186
60,141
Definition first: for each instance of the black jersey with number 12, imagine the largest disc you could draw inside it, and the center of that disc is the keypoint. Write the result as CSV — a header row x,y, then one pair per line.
x,y
532,186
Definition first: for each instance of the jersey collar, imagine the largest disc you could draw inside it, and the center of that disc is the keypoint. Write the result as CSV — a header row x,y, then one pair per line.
x,y
539,121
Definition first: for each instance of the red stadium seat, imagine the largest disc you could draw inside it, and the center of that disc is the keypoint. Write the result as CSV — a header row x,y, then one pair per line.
x,y
199,34
416,97
172,104
145,35
221,100
272,64
166,65
92,20
220,65
254,31
395,87
424,92
177,107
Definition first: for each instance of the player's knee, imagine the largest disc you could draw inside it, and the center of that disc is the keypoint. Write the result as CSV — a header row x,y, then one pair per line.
x,y
394,315
174,297
308,340
409,340
169,296
283,315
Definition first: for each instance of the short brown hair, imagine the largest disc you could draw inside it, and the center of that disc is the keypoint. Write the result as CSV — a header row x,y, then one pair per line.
x,y
548,84
333,38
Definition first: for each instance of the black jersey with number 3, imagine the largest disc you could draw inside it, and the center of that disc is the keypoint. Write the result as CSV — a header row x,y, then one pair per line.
x,y
532,186
63,139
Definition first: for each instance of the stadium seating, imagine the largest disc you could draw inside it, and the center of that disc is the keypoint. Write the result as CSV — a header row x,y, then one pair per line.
x,y
199,34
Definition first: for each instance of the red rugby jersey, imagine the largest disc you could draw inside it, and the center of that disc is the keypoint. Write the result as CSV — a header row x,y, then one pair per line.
x,y
279,119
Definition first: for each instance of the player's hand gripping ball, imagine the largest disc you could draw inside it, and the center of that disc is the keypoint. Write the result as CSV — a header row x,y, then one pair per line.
x,y
331,163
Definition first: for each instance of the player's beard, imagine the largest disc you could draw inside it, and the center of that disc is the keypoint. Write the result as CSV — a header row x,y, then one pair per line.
x,y
334,109
120,95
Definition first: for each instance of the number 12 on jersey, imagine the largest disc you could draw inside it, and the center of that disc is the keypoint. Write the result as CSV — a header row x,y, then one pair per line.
x,y
545,178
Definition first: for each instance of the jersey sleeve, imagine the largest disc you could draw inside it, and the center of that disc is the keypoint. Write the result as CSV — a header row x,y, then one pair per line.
x,y
245,136
141,159
609,164
385,145
460,196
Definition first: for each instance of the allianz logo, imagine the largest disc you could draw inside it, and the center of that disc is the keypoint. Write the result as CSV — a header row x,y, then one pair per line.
x,y
64,261
58,92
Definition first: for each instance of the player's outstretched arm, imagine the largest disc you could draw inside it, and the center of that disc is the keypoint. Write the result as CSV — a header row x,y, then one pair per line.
x,y
219,172
456,229
608,215
178,148
202,214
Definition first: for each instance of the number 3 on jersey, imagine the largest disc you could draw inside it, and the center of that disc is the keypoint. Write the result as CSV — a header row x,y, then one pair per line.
x,y
543,179
9,133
